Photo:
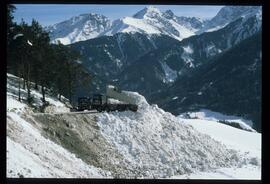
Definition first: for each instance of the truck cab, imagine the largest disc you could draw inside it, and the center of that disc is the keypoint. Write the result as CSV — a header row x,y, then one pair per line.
x,y
84,103
115,99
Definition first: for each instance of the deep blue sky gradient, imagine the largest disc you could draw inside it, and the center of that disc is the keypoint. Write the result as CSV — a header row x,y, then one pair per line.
x,y
49,14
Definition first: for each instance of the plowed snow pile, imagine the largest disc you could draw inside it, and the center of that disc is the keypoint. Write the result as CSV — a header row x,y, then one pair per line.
x,y
157,144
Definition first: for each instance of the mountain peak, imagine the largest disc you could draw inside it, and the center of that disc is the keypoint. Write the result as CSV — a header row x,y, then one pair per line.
x,y
168,14
234,12
229,14
79,28
149,11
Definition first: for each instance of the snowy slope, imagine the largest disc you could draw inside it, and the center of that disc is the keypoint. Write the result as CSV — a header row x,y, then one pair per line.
x,y
161,145
26,154
151,20
28,157
206,114
152,143
248,143
14,105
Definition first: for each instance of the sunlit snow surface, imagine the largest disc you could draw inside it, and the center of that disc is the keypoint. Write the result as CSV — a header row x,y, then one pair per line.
x,y
14,105
166,146
206,114
249,143
150,25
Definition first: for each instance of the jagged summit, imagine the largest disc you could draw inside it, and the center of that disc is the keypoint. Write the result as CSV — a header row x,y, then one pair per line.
x,y
149,20
149,11
168,14
79,28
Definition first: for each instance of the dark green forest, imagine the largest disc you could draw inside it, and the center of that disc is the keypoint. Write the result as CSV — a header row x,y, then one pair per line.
x,y
42,65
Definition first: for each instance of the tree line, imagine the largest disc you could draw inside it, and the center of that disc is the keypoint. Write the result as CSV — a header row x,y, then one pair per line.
x,y
32,57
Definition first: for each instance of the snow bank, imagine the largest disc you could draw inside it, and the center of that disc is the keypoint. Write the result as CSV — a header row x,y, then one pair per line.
x,y
28,157
138,99
216,116
158,144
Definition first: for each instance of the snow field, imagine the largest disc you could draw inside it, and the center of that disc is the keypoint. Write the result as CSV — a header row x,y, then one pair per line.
x,y
234,138
206,114
160,145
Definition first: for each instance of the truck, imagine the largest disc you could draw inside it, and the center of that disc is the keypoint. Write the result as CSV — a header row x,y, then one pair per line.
x,y
113,100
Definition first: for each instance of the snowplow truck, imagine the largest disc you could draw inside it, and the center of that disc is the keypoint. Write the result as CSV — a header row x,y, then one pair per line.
x,y
113,100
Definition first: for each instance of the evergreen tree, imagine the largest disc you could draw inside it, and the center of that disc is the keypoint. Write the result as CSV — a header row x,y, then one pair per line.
x,y
34,59
10,23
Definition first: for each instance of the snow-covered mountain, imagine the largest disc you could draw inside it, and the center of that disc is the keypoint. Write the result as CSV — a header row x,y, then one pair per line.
x,y
229,14
151,20
79,28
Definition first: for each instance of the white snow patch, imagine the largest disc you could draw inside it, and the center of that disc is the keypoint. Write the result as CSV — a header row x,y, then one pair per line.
x,y
188,49
216,28
170,75
187,55
206,114
13,104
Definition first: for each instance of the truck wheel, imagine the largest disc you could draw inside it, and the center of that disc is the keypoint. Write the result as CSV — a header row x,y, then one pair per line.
x,y
107,109
99,109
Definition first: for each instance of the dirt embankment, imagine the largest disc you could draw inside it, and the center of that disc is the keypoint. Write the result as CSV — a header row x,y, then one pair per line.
x,y
80,134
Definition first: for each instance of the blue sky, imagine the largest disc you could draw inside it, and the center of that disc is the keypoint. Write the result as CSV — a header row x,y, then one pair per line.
x,y
49,14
